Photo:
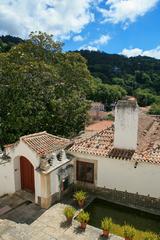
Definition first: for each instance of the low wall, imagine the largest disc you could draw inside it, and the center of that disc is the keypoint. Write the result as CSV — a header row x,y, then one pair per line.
x,y
144,203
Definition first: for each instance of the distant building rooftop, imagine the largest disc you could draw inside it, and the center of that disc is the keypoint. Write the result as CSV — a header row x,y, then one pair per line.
x,y
99,126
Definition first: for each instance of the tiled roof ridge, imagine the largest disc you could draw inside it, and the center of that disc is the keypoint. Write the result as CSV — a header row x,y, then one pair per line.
x,y
33,135
57,137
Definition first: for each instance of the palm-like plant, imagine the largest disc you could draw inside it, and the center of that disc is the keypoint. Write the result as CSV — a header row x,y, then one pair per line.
x,y
69,213
106,225
80,197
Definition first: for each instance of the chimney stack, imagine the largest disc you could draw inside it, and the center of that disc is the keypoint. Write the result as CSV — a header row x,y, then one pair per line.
x,y
126,124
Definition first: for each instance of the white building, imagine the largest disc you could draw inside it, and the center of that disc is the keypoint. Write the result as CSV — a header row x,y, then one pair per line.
x,y
124,157
37,164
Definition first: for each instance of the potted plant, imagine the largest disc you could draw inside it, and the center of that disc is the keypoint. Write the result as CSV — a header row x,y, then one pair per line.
x,y
80,197
129,232
69,213
83,218
106,225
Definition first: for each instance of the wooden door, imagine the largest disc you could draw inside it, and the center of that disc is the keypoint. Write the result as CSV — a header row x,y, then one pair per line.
x,y
27,175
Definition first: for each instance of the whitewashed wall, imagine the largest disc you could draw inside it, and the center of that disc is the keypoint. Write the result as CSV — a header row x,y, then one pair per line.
x,y
121,174
7,185
21,149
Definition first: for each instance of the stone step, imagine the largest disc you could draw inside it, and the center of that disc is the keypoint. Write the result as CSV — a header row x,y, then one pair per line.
x,y
12,231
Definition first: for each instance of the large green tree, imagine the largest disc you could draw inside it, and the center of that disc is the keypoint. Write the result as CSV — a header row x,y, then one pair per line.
x,y
42,88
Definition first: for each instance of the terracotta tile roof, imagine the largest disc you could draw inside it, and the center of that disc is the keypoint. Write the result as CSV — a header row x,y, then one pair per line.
x,y
43,142
99,126
148,150
99,144
121,153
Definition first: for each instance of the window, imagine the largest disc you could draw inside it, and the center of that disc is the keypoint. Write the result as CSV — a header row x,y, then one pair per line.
x,y
85,172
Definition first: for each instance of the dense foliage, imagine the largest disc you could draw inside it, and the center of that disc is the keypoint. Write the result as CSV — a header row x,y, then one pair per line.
x,y
138,76
106,93
42,88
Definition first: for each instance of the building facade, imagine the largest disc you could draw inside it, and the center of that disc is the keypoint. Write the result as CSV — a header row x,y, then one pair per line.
x,y
123,158
38,164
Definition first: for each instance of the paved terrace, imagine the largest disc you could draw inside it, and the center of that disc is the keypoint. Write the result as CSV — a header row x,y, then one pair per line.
x,y
51,225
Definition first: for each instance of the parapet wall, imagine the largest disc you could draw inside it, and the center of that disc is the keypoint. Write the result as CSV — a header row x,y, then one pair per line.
x,y
144,203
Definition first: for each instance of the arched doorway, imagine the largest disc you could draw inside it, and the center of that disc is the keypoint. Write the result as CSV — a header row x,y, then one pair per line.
x,y
27,175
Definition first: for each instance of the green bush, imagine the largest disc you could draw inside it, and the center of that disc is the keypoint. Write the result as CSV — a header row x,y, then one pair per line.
x,y
129,232
83,217
106,224
150,236
155,109
109,117
145,97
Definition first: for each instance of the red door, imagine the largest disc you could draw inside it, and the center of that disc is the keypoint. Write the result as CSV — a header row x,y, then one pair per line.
x,y
27,175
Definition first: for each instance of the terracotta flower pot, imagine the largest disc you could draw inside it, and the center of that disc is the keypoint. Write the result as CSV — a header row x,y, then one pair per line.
x,y
81,203
106,233
83,225
69,220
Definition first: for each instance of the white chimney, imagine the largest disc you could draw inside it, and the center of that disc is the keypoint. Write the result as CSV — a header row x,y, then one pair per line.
x,y
126,124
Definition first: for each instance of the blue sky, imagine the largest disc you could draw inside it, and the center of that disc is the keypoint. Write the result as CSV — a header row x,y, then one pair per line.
x,y
130,27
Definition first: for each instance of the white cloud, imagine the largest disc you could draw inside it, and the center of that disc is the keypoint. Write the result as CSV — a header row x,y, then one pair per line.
x,y
78,38
61,18
125,11
102,40
155,52
95,45
90,48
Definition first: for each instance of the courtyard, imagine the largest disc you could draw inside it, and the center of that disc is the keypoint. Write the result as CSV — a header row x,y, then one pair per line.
x,y
26,222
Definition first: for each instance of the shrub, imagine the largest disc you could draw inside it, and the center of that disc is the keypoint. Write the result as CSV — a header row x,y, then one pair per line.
x,y
155,109
129,232
80,196
69,212
106,224
83,217
110,117
150,236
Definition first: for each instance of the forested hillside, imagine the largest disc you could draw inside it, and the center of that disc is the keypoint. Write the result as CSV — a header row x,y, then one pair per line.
x,y
7,42
139,76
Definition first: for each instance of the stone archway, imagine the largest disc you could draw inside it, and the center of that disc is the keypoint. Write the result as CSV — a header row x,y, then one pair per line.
x,y
27,175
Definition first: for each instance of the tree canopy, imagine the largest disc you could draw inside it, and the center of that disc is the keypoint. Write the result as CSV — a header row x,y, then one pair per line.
x,y
42,88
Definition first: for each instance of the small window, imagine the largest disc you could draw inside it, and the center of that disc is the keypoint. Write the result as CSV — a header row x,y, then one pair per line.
x,y
85,172
59,156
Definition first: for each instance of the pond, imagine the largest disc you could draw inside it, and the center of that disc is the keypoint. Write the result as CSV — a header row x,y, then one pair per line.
x,y
121,215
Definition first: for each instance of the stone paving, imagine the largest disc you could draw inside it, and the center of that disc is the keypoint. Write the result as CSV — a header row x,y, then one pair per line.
x,y
20,208
51,225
